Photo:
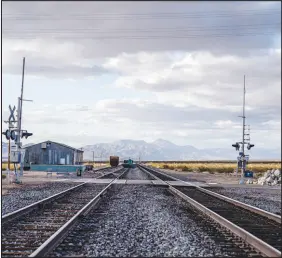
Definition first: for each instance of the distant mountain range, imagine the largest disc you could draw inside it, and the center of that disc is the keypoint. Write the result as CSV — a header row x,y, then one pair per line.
x,y
163,150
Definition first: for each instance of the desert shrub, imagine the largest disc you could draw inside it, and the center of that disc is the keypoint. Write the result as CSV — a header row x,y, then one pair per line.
x,y
12,167
202,168
3,176
185,168
257,168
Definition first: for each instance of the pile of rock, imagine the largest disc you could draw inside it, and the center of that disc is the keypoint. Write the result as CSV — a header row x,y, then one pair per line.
x,y
270,177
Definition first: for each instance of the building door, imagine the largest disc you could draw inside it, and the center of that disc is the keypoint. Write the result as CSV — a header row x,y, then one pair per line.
x,y
68,159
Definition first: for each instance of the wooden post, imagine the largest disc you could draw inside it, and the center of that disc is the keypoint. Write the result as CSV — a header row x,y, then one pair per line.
x,y
9,149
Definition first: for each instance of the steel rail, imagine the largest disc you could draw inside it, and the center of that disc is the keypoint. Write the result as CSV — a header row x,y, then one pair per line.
x,y
251,208
59,235
36,205
100,177
249,238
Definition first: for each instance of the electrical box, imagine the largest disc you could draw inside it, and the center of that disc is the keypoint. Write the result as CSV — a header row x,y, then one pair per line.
x,y
15,156
13,147
43,145
249,174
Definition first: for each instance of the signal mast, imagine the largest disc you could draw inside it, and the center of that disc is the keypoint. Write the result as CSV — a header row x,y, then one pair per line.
x,y
15,133
242,158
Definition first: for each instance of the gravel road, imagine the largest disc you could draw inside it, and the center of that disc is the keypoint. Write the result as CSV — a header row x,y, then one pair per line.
x,y
144,221
263,198
28,194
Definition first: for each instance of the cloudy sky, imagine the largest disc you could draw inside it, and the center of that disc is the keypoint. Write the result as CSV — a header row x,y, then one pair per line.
x,y
104,71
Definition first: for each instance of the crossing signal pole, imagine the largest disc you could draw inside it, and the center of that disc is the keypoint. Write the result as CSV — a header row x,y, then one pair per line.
x,y
242,159
16,133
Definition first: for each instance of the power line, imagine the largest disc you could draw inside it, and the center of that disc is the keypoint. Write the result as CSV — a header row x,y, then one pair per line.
x,y
77,36
173,29
110,16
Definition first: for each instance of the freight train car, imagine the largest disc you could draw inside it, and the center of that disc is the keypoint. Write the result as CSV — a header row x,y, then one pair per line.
x,y
114,161
129,164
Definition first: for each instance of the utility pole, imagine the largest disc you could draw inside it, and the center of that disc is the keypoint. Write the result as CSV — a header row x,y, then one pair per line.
x,y
19,127
9,149
18,141
93,159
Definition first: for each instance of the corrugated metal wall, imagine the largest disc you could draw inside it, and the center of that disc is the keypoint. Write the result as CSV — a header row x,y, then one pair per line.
x,y
51,155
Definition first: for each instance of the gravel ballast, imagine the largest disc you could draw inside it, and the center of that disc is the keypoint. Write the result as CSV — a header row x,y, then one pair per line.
x,y
143,221
263,198
28,194
136,174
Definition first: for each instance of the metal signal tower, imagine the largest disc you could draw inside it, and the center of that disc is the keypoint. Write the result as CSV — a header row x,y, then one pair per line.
x,y
15,133
242,159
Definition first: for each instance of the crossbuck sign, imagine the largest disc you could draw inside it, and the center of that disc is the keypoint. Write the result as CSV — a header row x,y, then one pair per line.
x,y
12,111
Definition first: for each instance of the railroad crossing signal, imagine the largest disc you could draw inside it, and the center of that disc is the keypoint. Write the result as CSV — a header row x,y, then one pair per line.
x,y
7,134
237,146
26,134
12,134
12,111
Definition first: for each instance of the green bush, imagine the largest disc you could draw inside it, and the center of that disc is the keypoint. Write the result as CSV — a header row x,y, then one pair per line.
x,y
4,169
3,176
165,166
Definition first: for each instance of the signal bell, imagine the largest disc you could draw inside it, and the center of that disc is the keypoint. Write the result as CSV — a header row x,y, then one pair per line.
x,y
250,146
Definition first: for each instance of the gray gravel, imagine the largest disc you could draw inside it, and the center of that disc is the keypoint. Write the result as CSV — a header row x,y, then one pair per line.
x,y
142,221
28,194
263,198
137,174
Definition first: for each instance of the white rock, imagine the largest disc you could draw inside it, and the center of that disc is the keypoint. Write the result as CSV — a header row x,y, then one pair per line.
x,y
277,173
274,182
269,180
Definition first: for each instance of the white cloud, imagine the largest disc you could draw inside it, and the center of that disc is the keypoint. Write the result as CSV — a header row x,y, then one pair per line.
x,y
201,78
195,84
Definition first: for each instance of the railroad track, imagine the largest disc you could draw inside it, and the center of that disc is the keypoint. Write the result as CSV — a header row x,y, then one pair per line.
x,y
136,174
127,213
35,230
106,170
40,228
259,228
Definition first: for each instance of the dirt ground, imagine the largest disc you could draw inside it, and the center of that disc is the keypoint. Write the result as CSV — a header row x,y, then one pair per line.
x,y
217,179
30,178
36,177
204,177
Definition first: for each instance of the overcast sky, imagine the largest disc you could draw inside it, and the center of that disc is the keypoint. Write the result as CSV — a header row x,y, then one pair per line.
x,y
104,71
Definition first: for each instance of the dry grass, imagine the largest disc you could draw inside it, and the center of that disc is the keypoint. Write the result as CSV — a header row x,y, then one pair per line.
x,y
97,164
215,167
12,167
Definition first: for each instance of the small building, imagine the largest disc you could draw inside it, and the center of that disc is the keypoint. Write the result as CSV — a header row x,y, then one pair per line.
x,y
53,153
